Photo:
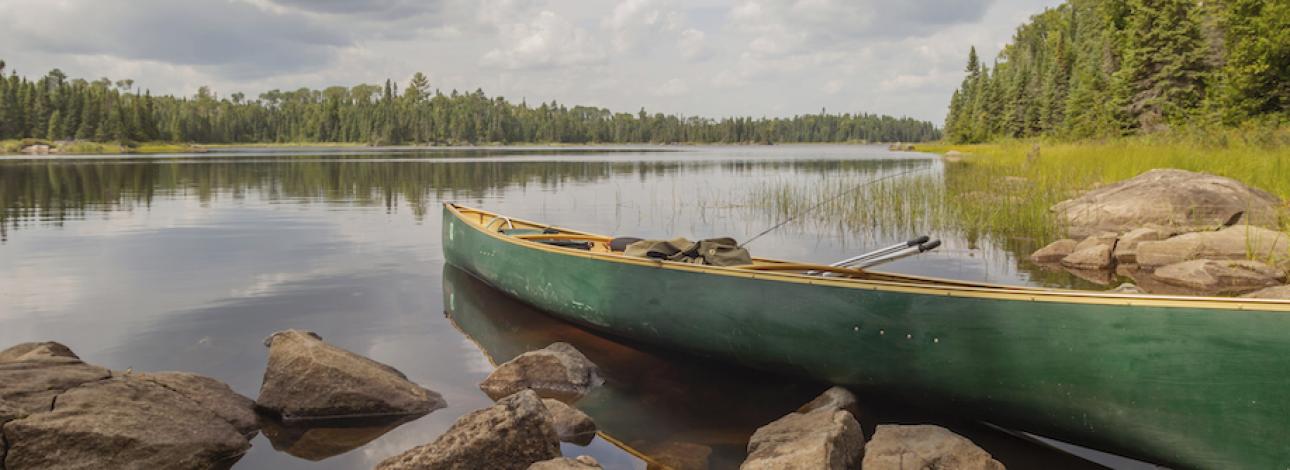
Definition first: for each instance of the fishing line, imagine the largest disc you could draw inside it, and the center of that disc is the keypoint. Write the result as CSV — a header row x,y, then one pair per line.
x,y
831,199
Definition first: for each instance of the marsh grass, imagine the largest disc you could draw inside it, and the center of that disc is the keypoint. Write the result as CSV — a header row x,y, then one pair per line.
x,y
1004,190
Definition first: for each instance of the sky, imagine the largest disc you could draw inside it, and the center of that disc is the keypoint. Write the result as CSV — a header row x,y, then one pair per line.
x,y
699,57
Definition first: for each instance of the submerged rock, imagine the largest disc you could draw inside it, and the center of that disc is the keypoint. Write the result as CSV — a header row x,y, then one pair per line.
x,y
899,447
583,462
512,434
677,455
211,394
826,436
1126,250
1093,253
557,371
1181,201
1054,252
571,424
1278,292
1232,243
123,423
1220,277
1126,288
309,379
321,439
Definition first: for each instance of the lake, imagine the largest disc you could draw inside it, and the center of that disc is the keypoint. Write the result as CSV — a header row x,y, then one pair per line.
x,y
190,262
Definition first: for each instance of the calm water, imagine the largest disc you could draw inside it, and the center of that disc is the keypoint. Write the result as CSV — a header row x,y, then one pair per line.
x,y
188,263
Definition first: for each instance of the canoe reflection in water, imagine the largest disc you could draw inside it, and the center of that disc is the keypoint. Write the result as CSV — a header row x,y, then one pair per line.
x,y
678,411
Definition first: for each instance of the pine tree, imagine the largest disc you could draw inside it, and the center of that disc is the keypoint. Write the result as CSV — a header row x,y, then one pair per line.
x,y
1163,70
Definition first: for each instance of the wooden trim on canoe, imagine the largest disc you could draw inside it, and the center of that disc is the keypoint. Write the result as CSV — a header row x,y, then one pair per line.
x,y
562,236
889,283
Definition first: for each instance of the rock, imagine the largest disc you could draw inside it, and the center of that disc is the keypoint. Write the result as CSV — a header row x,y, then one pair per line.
x,y
571,424
583,462
211,394
123,423
512,434
7,413
1126,288
1126,250
48,351
898,447
835,398
1232,243
1182,201
1055,251
1278,292
1097,257
677,455
309,379
1222,277
558,371
32,386
316,440
824,437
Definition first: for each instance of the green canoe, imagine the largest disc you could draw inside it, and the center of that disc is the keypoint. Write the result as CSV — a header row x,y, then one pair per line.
x,y
1188,382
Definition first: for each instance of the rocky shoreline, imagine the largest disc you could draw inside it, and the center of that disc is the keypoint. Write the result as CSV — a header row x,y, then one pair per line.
x,y
56,411
1175,232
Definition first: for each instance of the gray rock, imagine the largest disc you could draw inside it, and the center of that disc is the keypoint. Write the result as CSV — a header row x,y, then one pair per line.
x,y
583,462
571,424
1182,201
1055,251
309,379
1220,277
1126,250
898,447
512,434
557,371
48,351
211,394
824,437
1093,258
123,423
32,386
1232,243
7,413
1278,292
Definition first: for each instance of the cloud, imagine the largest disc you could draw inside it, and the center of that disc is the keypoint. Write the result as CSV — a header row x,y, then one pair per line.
x,y
673,87
548,40
385,9
633,21
227,38
693,44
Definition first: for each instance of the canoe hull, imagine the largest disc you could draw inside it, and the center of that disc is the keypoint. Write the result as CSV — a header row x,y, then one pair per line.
x,y
1187,387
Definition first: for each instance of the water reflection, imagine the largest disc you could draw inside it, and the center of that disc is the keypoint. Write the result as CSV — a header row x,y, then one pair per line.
x,y
678,411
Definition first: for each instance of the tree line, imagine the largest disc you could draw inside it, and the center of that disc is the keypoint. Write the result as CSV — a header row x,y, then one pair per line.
x,y
54,108
1095,68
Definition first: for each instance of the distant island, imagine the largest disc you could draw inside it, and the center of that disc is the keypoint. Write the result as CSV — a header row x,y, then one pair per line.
x,y
104,116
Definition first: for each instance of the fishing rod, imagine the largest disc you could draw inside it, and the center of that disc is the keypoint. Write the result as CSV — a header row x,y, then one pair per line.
x,y
831,199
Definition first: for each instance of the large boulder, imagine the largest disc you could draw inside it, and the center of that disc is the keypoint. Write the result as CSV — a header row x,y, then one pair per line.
x,y
1179,200
1278,292
557,371
512,434
571,424
211,394
309,379
1237,242
1054,252
826,436
123,423
583,462
47,351
1220,277
900,447
31,385
7,413
1126,250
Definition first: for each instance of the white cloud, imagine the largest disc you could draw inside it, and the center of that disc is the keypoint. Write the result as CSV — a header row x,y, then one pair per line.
x,y
673,87
547,40
692,44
